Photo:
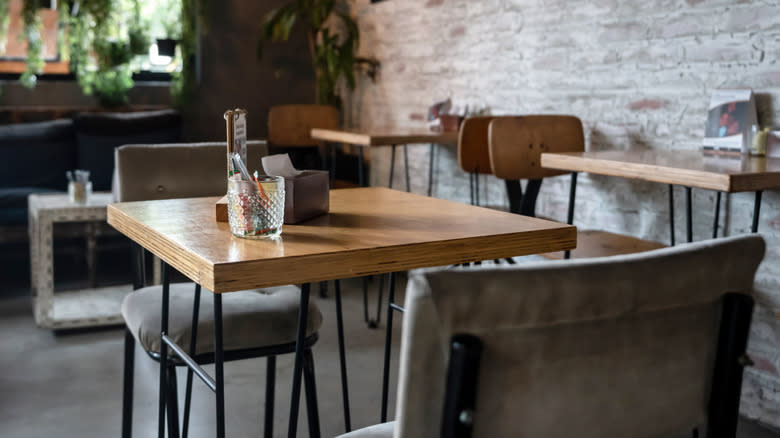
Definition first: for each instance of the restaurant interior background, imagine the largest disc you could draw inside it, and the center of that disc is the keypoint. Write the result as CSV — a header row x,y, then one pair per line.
x,y
639,73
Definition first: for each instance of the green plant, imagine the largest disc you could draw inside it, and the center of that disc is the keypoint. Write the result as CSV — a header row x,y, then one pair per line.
x,y
32,33
3,24
332,44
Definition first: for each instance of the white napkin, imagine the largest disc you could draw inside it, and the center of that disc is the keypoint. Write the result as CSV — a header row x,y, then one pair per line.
x,y
279,165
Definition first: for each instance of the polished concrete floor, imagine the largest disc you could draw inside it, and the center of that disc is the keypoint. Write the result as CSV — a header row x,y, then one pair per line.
x,y
67,385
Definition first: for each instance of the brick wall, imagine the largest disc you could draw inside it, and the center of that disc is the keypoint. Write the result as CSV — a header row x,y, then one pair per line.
x,y
638,73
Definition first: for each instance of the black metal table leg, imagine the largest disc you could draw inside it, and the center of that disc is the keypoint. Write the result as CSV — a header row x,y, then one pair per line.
x,y
219,371
716,220
431,156
689,213
361,177
193,352
127,392
298,364
406,169
163,351
756,210
342,357
388,342
392,166
671,214
570,214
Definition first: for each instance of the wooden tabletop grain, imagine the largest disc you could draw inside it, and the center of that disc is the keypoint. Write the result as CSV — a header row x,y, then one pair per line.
x,y
384,136
687,168
368,231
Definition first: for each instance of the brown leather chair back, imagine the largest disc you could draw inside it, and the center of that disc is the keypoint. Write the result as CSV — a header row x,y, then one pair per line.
x,y
291,125
473,154
181,170
517,142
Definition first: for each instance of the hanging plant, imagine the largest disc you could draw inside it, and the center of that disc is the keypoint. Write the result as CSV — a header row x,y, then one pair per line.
x,y
333,46
32,33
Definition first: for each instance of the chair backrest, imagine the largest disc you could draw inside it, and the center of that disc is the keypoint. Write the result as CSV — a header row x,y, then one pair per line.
x,y
473,154
603,347
182,170
517,142
291,125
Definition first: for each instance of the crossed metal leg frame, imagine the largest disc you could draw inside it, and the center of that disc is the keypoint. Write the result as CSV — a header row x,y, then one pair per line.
x,y
303,368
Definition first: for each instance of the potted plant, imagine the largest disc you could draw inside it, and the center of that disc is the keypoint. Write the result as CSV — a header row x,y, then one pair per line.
x,y
333,42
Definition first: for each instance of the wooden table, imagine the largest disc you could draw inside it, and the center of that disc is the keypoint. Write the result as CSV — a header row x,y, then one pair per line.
x,y
690,169
368,231
90,307
389,137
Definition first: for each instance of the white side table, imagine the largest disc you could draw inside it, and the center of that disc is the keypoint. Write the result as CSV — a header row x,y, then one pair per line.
x,y
68,309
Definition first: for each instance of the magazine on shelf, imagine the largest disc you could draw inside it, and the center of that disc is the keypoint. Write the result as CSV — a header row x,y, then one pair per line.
x,y
730,121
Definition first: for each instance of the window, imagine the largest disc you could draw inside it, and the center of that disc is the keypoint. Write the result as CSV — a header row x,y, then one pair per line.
x,y
155,18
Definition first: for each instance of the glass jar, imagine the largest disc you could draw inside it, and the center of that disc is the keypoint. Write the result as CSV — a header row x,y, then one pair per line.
x,y
256,209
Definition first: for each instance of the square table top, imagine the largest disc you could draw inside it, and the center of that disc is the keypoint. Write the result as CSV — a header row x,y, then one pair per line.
x,y
368,231
61,202
725,173
385,136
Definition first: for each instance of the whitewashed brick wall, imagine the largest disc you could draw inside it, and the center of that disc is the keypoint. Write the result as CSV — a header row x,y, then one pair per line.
x,y
639,73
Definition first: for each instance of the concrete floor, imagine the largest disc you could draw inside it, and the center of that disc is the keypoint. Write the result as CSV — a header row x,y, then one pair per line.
x,y
69,384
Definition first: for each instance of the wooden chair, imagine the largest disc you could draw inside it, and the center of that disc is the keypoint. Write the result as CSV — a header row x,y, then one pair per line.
x,y
289,131
473,154
644,345
515,145
257,323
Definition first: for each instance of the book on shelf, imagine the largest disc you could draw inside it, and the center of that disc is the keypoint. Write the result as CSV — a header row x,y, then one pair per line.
x,y
731,121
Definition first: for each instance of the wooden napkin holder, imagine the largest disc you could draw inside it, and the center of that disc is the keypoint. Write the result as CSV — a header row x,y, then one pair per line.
x,y
305,196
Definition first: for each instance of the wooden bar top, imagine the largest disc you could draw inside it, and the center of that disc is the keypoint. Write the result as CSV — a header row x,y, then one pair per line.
x,y
384,136
368,231
687,168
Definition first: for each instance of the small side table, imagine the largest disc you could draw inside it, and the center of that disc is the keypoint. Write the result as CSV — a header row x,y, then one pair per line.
x,y
77,308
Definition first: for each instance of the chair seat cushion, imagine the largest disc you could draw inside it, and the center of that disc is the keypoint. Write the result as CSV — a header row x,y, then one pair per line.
x,y
384,430
250,319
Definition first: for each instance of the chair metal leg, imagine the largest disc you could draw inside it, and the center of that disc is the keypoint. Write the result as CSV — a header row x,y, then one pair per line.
x,y
127,391
372,323
219,371
298,364
388,342
514,192
570,214
193,343
342,357
528,206
323,289
406,169
163,352
312,412
472,200
689,213
716,220
476,188
671,214
756,211
431,157
270,384
392,166
172,403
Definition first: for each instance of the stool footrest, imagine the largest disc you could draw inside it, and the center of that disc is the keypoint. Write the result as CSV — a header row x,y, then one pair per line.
x,y
190,362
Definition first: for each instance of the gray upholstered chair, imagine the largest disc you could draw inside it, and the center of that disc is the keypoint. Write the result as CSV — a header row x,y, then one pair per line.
x,y
643,345
257,323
